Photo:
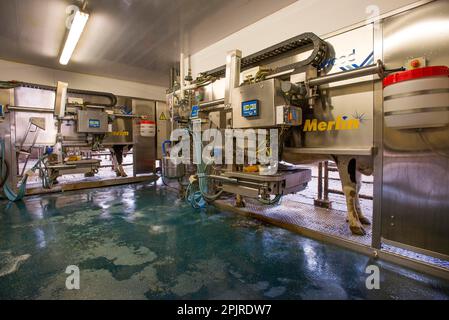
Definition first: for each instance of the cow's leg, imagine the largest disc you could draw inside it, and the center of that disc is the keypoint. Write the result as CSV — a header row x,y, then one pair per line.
x,y
114,162
117,160
347,171
364,220
239,201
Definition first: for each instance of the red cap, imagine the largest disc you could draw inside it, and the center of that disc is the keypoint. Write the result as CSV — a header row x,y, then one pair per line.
x,y
438,71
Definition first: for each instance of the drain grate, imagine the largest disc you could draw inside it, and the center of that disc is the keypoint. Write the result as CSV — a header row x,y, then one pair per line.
x,y
327,221
416,256
293,213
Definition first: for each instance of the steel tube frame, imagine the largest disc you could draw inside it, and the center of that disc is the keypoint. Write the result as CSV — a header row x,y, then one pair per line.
x,y
377,68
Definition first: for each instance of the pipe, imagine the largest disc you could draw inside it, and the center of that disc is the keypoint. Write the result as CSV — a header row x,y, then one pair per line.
x,y
31,109
182,75
172,78
377,68
193,86
361,196
211,103
112,98
164,150
221,178
236,181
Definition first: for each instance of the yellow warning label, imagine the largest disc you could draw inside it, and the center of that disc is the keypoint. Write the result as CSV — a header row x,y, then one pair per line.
x,y
163,117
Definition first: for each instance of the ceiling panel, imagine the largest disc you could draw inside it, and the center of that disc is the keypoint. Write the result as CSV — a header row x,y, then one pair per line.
x,y
136,40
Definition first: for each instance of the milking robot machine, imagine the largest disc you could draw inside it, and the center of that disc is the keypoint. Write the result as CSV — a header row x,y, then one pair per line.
x,y
265,90
371,92
51,132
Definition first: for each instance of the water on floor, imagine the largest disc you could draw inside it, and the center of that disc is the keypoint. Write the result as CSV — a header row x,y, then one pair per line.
x,y
141,242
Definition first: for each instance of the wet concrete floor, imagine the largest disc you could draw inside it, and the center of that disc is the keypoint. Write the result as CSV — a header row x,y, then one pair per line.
x,y
142,242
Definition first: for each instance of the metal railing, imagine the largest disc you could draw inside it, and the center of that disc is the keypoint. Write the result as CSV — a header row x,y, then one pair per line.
x,y
323,185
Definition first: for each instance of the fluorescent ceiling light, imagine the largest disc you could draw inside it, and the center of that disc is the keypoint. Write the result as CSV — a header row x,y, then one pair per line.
x,y
79,22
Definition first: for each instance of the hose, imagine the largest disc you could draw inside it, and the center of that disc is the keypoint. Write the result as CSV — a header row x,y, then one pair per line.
x,y
10,192
271,202
195,197
3,165
164,150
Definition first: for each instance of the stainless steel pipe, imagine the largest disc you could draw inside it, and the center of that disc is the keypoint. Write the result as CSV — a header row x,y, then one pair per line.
x,y
377,68
211,103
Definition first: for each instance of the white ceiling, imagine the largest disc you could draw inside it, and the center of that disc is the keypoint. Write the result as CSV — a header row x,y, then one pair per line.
x,y
136,40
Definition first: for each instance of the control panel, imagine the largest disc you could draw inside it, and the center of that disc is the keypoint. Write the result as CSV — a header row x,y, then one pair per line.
x,y
90,121
254,105
195,112
250,109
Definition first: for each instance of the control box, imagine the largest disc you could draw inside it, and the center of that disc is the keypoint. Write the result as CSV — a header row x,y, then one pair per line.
x,y
90,121
255,105
288,116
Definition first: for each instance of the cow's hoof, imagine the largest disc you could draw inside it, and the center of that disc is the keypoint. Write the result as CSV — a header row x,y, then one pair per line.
x,y
365,221
358,230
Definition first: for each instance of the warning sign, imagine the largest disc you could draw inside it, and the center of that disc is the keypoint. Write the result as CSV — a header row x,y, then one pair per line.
x,y
163,117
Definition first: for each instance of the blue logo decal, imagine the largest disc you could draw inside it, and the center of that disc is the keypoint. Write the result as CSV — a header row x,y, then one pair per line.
x,y
369,60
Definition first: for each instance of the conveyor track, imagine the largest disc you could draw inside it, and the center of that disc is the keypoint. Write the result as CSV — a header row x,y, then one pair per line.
x,y
305,40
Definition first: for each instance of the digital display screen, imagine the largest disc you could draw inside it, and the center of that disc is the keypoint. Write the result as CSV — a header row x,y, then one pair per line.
x,y
250,108
95,124
195,112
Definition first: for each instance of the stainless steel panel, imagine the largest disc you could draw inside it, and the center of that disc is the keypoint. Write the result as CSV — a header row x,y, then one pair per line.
x,y
122,132
163,126
90,121
350,98
144,148
214,91
269,95
7,133
37,98
241,190
283,182
61,98
172,169
415,201
350,101
233,64
45,137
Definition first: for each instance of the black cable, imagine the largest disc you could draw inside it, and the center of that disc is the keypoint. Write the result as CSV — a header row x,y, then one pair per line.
x,y
395,70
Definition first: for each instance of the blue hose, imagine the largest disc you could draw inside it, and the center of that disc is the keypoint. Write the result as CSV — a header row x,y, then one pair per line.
x,y
164,151
7,190
195,198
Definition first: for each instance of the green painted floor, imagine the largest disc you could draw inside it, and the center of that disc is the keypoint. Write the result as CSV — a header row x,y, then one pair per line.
x,y
141,242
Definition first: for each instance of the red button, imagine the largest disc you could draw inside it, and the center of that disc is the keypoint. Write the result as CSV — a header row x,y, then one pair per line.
x,y
415,64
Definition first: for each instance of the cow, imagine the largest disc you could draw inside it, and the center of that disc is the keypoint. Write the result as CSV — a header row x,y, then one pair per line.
x,y
350,169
